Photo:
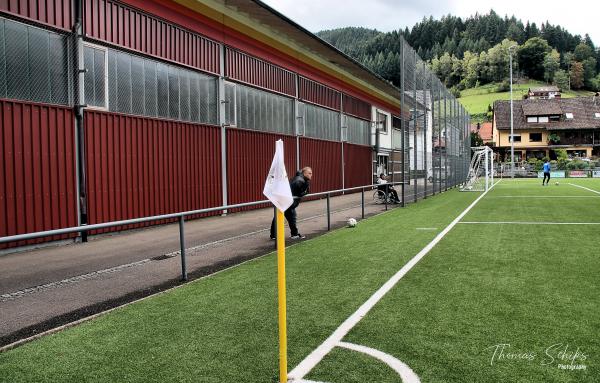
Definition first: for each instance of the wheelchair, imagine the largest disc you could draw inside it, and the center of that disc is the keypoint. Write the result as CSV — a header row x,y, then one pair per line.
x,y
380,197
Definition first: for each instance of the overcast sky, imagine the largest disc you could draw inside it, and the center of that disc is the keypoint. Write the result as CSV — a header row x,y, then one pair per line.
x,y
577,16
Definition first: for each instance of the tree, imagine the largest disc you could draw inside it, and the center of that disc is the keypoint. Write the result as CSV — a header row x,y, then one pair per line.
x,y
561,80
576,75
551,64
531,57
476,139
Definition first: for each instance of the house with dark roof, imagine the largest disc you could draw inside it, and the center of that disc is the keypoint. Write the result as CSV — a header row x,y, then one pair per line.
x,y
544,92
543,125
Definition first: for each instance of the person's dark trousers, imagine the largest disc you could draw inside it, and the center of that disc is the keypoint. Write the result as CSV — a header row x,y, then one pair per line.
x,y
290,215
548,176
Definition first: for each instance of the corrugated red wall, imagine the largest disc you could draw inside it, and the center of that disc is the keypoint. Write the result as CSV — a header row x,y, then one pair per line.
x,y
325,159
249,157
319,94
250,70
57,13
358,165
131,28
139,167
37,169
356,107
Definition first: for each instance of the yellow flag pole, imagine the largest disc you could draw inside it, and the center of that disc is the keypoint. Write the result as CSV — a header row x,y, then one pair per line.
x,y
281,298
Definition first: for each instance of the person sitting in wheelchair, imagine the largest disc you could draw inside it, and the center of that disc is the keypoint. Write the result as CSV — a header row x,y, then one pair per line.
x,y
387,189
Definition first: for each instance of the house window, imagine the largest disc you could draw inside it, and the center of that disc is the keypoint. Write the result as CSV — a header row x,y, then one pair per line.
x,y
554,118
543,119
597,115
532,119
126,83
382,122
95,60
34,64
322,123
569,116
517,138
257,109
535,137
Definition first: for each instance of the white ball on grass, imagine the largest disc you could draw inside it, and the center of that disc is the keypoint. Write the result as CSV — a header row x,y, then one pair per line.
x,y
351,222
556,183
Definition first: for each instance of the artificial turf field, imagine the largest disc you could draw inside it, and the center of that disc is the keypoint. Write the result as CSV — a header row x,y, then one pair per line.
x,y
507,273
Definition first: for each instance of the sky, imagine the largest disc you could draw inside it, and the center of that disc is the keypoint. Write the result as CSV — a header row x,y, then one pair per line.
x,y
579,17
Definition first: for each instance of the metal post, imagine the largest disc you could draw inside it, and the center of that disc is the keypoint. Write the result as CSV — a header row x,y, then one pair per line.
x,y
512,138
446,141
415,121
79,121
433,115
223,124
425,93
402,119
385,197
182,248
328,212
362,201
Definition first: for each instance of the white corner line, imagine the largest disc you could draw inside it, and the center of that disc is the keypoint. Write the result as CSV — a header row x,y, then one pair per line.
x,y
405,372
302,369
583,187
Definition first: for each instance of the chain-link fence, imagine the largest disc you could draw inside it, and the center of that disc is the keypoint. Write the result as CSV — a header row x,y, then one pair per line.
x,y
431,148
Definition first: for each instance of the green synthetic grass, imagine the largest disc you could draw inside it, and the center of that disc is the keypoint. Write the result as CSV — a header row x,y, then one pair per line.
x,y
476,100
483,285
224,328
530,286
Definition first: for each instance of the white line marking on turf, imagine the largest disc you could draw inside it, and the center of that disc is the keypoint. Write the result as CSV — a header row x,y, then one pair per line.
x,y
583,187
301,370
525,223
426,228
405,372
544,196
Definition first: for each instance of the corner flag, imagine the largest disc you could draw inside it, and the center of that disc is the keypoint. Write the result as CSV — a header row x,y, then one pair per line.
x,y
277,187
277,190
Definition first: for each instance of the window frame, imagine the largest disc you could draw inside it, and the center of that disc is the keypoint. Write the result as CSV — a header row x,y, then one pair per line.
x,y
511,137
233,85
104,108
532,140
378,123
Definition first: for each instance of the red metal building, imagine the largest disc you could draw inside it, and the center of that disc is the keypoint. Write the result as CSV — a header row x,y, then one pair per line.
x,y
160,106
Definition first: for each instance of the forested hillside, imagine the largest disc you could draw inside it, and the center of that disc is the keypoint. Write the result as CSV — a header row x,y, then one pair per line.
x,y
470,52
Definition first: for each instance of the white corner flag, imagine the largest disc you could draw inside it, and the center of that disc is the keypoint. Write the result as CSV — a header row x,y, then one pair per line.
x,y
277,187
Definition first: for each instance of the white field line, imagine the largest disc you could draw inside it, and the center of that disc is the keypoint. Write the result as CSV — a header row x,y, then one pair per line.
x,y
405,372
302,369
583,187
544,196
525,223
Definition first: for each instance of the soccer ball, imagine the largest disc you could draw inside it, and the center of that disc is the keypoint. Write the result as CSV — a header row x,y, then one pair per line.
x,y
351,222
556,183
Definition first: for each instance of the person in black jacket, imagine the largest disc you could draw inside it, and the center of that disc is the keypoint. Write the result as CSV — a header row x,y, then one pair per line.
x,y
300,185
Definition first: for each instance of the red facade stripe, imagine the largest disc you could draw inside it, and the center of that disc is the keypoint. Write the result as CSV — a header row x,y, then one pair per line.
x,y
142,167
316,93
325,159
37,170
250,70
358,163
249,156
141,32
356,107
56,13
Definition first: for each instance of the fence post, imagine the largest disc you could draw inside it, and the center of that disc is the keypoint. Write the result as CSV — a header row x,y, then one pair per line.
x,y
362,201
182,248
386,196
328,212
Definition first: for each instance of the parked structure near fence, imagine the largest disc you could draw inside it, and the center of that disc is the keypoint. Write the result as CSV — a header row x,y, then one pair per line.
x,y
114,110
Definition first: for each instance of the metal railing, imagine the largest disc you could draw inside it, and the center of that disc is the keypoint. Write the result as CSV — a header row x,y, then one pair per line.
x,y
181,218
